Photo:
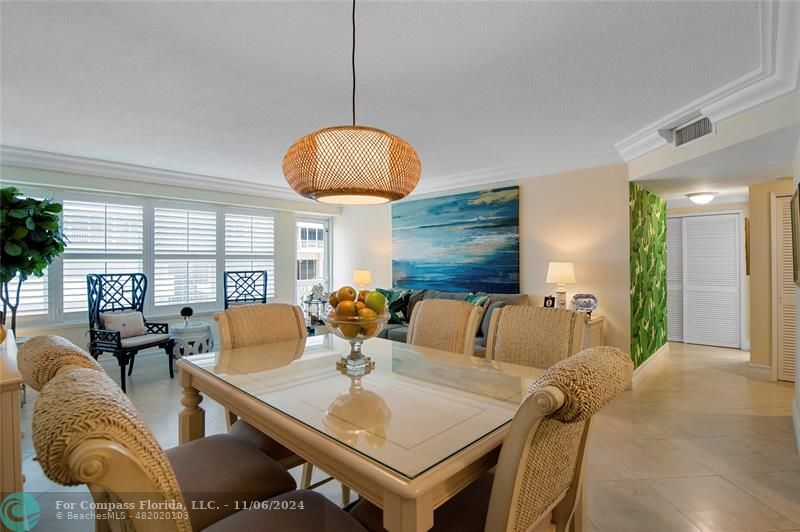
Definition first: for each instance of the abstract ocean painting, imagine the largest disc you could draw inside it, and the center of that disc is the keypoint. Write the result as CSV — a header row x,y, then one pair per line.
x,y
463,242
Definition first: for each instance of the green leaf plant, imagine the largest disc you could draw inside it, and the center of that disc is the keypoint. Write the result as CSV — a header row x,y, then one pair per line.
x,y
30,232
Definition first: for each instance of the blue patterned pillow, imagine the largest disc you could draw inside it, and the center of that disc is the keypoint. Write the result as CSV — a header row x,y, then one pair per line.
x,y
397,303
475,299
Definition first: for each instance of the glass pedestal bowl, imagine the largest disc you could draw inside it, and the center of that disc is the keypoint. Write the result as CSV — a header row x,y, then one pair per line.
x,y
355,330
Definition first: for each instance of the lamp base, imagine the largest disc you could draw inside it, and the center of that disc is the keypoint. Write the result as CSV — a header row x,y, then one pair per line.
x,y
561,299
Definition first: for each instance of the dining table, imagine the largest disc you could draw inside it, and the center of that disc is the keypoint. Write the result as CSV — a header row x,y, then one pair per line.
x,y
407,432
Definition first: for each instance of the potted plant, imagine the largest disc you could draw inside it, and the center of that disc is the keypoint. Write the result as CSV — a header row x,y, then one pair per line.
x,y
30,231
186,312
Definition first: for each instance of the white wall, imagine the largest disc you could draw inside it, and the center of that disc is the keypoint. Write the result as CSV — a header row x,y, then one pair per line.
x,y
362,240
578,216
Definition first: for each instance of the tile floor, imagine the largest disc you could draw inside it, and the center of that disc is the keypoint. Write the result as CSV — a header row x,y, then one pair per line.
x,y
697,446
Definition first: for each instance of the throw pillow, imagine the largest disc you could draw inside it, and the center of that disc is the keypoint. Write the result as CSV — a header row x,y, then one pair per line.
x,y
397,303
487,316
476,299
129,323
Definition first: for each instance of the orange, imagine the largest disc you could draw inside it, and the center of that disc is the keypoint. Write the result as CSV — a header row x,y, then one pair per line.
x,y
362,295
346,293
346,309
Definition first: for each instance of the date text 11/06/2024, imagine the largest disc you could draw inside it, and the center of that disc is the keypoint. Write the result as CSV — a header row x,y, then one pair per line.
x,y
147,505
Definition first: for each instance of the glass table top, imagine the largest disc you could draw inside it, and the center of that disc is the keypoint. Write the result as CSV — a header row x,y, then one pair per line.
x,y
416,408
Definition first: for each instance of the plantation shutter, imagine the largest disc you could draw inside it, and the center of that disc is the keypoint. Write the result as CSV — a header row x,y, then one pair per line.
x,y
785,290
102,238
711,280
675,279
185,247
250,245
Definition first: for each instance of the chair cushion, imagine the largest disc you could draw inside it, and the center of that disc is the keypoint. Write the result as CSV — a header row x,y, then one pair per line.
x,y
224,469
143,340
466,512
509,299
129,323
439,294
398,334
246,432
487,318
301,510
388,327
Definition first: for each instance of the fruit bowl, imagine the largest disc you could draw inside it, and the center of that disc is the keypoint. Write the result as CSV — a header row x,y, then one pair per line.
x,y
355,330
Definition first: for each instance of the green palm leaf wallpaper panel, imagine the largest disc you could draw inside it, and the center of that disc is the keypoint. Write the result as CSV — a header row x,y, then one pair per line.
x,y
648,218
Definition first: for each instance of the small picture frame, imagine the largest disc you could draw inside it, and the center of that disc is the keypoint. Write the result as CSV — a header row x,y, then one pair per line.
x,y
549,302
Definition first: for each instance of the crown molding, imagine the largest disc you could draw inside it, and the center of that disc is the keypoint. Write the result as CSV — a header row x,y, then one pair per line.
x,y
57,162
776,75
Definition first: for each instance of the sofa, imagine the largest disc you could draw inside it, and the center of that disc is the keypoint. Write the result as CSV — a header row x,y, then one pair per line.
x,y
397,328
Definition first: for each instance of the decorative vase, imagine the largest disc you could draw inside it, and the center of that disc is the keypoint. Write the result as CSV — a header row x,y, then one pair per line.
x,y
356,330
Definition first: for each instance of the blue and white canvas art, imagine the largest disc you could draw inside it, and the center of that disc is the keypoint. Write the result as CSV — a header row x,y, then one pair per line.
x,y
463,242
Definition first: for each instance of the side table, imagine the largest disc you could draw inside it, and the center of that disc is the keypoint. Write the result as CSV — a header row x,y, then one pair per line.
x,y
593,334
192,338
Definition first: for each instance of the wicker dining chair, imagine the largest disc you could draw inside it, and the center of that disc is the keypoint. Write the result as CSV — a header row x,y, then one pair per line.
x,y
87,431
537,484
248,327
448,325
534,336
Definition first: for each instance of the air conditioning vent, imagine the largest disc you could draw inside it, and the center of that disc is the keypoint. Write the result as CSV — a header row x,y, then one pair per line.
x,y
693,131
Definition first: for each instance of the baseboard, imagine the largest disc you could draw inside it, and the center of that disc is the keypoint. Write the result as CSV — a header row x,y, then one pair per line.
x,y
759,372
652,362
796,423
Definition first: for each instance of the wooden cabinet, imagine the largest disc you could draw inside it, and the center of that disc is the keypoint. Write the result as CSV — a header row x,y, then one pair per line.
x,y
10,433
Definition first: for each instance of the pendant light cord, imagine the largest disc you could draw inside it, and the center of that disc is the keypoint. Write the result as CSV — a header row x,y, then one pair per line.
x,y
353,62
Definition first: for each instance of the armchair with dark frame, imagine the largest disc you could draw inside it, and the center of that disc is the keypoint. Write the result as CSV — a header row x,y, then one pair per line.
x,y
245,287
109,296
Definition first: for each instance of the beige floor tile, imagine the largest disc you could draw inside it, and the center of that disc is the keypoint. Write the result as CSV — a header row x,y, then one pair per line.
x,y
726,456
715,504
779,491
657,459
601,464
780,447
632,506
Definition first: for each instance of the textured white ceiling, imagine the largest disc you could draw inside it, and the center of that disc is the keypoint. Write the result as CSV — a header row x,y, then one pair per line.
x,y
479,88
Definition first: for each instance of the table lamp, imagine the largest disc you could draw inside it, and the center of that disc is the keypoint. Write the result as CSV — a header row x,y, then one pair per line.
x,y
561,274
362,278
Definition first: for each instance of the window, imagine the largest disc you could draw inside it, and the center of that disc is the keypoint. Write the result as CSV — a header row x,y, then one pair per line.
x,y
313,261
32,295
185,249
102,238
250,245
311,237
306,270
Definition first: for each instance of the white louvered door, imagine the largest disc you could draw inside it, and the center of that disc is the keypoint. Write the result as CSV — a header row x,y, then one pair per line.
x,y
675,279
711,280
785,290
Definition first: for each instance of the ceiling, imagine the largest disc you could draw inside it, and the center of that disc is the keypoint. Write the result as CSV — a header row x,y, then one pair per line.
x,y
483,90
728,171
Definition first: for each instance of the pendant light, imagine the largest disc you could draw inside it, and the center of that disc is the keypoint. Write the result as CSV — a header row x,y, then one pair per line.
x,y
352,165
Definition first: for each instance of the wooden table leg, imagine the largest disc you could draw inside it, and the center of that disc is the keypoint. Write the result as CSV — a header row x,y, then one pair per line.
x,y
407,515
192,419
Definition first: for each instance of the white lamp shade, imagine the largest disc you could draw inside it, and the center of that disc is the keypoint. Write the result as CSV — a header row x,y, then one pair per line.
x,y
561,273
362,277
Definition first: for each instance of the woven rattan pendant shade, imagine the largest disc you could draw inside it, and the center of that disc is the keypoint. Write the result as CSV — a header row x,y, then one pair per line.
x,y
352,165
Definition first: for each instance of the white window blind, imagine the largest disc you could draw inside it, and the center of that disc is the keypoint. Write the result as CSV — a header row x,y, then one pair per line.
x,y
185,247
32,296
250,245
102,238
